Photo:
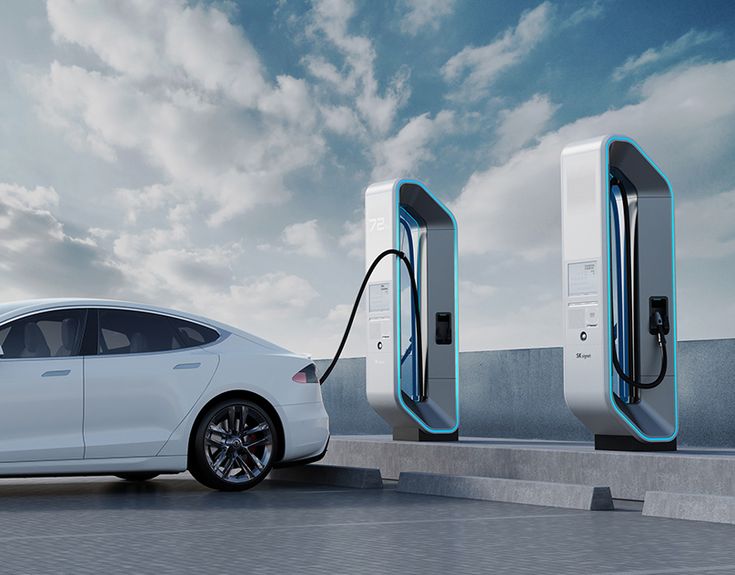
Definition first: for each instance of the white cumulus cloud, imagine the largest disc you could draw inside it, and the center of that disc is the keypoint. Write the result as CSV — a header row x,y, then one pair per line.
x,y
706,226
474,69
524,123
420,15
355,76
182,87
304,238
666,52
400,155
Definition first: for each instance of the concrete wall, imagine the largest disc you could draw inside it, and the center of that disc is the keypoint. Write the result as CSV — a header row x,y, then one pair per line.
x,y
519,394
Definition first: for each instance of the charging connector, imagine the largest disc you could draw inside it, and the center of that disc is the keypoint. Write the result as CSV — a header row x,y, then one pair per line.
x,y
658,325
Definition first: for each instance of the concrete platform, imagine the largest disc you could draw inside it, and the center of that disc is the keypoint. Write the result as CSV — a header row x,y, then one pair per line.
x,y
337,476
710,508
629,475
564,495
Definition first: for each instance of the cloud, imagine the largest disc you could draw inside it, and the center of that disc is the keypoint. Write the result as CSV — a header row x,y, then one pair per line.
x,y
20,198
277,306
304,238
523,124
667,52
705,227
158,272
342,121
167,40
473,70
424,14
470,289
402,154
352,239
495,324
330,21
183,88
591,11
40,257
271,296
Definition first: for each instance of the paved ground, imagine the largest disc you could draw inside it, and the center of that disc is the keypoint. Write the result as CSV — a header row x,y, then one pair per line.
x,y
172,525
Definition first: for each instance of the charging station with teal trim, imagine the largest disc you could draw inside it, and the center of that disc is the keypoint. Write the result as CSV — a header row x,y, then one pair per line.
x,y
619,294
412,385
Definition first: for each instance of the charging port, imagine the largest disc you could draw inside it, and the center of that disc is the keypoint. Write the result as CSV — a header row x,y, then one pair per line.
x,y
443,328
658,315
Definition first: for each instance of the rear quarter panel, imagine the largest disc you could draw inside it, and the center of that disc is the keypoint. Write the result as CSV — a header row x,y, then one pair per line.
x,y
248,366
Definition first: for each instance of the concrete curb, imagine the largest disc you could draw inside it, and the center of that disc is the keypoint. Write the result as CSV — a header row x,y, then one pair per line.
x,y
628,474
566,495
338,476
694,507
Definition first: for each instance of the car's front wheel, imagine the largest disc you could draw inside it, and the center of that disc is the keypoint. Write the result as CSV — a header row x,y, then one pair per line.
x,y
233,446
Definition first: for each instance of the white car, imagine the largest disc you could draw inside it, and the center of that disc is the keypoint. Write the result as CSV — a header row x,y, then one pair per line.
x,y
93,387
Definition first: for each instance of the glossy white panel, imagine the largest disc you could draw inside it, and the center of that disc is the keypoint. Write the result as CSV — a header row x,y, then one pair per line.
x,y
133,402
41,409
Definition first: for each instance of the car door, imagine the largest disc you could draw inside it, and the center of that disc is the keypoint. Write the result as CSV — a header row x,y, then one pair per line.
x,y
41,387
145,378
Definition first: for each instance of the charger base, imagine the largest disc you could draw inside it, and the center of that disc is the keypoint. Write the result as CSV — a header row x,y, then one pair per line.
x,y
629,443
416,434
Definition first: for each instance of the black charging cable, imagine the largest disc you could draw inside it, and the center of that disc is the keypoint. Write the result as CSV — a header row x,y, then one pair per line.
x,y
415,295
661,336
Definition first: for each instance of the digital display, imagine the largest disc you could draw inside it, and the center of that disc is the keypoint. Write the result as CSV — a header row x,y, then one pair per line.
x,y
379,297
582,278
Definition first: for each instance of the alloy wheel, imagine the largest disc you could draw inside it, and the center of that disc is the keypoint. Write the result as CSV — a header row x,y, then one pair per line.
x,y
238,443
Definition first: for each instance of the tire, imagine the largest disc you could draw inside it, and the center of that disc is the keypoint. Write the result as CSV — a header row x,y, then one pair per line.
x,y
137,476
233,445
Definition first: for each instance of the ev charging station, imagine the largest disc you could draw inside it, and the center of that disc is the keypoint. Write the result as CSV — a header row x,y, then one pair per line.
x,y
414,387
619,295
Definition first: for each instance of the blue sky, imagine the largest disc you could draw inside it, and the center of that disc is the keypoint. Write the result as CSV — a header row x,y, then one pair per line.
x,y
212,156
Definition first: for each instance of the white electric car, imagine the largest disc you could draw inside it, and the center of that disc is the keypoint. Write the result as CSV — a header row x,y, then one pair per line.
x,y
93,387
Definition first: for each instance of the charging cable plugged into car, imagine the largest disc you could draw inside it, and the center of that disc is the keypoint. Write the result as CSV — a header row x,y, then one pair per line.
x,y
414,294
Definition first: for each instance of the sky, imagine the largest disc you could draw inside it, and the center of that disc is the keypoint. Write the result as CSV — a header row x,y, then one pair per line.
x,y
212,156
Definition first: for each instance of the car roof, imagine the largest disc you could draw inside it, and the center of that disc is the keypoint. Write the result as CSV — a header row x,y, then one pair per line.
x,y
9,310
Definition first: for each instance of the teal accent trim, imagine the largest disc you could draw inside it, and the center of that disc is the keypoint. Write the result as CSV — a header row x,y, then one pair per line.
x,y
397,296
625,418
409,224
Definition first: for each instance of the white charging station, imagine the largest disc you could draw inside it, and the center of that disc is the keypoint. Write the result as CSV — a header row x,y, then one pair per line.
x,y
619,294
416,395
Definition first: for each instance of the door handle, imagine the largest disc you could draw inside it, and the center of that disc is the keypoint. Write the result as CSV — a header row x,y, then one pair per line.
x,y
187,365
56,373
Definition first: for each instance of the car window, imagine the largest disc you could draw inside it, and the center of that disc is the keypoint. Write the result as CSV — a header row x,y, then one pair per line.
x,y
192,334
49,334
123,331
